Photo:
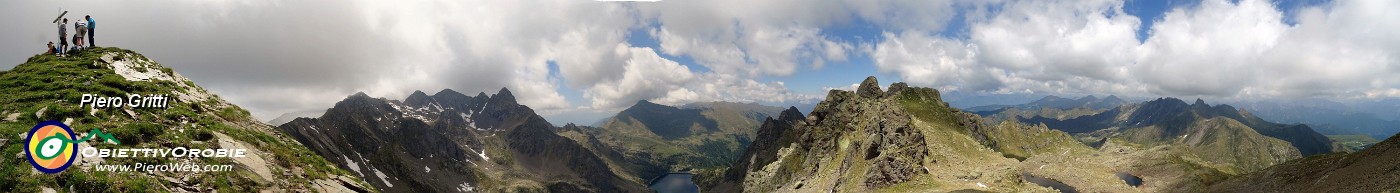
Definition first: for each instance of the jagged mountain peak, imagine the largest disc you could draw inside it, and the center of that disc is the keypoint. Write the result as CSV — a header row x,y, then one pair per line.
x,y
359,98
417,93
791,114
1166,101
418,98
504,97
359,94
874,129
449,92
445,141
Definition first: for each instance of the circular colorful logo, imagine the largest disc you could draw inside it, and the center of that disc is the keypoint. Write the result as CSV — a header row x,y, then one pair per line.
x,y
50,148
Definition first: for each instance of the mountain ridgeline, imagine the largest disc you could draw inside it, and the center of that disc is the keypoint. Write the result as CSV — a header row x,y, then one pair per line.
x,y
648,140
1056,102
1373,169
900,139
1050,106
1166,118
449,142
906,139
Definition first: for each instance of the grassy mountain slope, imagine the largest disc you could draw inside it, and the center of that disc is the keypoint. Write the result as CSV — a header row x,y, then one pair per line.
x,y
1375,169
1221,133
49,88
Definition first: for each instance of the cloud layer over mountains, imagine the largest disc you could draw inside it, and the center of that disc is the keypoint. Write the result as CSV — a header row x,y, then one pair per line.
x,y
569,55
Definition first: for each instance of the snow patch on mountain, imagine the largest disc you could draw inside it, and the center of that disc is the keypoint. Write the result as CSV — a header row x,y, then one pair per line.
x,y
382,177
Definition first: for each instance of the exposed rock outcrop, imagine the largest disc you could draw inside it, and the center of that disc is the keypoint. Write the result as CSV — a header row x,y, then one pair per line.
x,y
449,141
870,88
870,127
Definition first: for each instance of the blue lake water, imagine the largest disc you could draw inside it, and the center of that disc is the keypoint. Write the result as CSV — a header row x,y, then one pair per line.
x,y
1130,179
1047,182
674,183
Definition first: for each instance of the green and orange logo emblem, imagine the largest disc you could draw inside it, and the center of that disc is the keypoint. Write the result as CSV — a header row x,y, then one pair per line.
x,y
50,147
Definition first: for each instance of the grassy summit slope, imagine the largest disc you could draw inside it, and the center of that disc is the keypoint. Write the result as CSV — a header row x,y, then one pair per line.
x,y
49,88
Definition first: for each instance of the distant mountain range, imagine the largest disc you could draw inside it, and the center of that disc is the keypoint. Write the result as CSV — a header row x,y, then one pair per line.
x,y
1167,118
1329,118
907,139
900,139
1325,117
1050,106
448,142
1056,102
653,139
288,117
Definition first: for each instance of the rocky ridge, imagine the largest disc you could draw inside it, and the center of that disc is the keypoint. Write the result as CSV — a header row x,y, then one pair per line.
x,y
449,141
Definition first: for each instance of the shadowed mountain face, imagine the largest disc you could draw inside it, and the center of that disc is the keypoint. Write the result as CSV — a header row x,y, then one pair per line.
x,y
666,121
453,142
1371,170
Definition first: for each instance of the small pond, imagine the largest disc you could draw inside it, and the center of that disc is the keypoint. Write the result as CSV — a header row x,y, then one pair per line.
x,y
1047,182
1130,179
674,183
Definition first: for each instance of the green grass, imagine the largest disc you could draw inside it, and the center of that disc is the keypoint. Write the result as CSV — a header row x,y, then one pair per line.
x,y
1354,142
55,85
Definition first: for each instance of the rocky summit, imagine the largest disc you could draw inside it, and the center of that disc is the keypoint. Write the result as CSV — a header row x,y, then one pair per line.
x,y
865,140
451,142
906,139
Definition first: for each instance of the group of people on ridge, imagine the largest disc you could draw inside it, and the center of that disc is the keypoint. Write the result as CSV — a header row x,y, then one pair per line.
x,y
85,28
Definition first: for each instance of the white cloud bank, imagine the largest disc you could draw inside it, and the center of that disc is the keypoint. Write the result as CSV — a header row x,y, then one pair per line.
x,y
1345,49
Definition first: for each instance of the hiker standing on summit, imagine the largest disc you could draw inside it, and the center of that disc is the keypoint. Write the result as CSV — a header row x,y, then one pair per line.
x,y
63,37
91,25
